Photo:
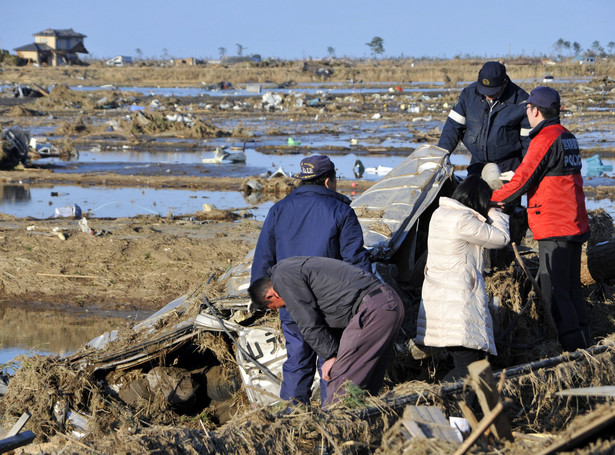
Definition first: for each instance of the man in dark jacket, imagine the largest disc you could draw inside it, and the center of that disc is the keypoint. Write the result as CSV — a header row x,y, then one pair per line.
x,y
489,121
324,294
314,220
550,174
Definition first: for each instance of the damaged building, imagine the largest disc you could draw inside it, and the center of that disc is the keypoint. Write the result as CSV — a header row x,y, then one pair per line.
x,y
54,47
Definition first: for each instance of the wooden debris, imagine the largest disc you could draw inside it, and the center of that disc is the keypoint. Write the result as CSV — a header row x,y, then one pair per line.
x,y
19,424
60,275
573,438
483,425
468,414
601,391
483,383
428,422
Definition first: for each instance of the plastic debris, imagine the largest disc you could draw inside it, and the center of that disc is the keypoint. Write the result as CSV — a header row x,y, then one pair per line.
x,y
595,167
70,211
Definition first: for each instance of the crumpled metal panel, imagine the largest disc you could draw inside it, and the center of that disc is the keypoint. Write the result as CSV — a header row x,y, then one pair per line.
x,y
238,276
390,208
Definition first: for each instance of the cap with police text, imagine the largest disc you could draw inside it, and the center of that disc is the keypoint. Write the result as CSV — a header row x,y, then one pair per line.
x,y
544,97
491,78
314,166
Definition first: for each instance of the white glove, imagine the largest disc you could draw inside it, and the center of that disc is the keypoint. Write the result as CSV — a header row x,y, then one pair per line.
x,y
507,176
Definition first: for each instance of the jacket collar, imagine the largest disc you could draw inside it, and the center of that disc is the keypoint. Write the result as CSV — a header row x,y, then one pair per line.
x,y
321,190
546,122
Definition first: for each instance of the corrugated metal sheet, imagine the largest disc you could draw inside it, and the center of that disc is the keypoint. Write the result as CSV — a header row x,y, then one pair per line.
x,y
389,209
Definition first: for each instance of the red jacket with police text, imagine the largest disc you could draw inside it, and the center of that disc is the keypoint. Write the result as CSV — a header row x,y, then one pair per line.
x,y
550,174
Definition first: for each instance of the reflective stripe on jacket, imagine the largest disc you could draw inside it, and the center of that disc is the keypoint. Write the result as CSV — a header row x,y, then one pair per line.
x,y
492,133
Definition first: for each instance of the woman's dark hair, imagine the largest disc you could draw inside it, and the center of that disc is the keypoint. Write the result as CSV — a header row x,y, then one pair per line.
x,y
258,291
320,180
475,193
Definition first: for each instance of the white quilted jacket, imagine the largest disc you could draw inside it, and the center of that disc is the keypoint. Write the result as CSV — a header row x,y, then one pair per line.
x,y
454,309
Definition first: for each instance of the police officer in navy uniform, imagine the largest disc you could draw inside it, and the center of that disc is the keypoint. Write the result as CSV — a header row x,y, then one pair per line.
x,y
313,220
489,120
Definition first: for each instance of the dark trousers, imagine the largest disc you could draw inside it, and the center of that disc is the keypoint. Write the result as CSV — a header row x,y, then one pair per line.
x,y
366,344
300,366
462,357
560,281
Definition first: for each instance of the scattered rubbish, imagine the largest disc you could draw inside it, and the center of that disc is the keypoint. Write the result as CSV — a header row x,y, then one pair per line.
x,y
429,422
317,69
272,101
14,147
314,102
358,169
70,211
376,116
155,105
42,146
293,143
222,85
354,141
380,170
85,228
548,78
221,156
253,88
595,168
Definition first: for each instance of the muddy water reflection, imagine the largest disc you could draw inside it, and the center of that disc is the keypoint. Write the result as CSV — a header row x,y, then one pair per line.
x,y
105,202
57,332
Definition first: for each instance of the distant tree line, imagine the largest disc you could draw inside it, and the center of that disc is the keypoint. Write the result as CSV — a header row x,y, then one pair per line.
x,y
562,46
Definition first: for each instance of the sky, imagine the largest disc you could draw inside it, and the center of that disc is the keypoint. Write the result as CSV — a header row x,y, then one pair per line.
x,y
295,29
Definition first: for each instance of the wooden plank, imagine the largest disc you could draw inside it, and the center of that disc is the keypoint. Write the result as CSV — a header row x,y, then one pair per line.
x,y
16,441
485,423
468,414
428,422
19,424
602,391
574,438
483,383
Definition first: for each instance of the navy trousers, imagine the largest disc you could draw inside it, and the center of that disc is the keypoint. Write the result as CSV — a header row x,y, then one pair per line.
x,y
560,281
300,367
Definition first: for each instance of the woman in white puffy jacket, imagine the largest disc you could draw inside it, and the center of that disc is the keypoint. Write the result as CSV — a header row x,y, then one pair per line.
x,y
454,311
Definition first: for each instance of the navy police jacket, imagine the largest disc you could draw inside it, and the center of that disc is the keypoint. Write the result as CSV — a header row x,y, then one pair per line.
x,y
310,221
496,133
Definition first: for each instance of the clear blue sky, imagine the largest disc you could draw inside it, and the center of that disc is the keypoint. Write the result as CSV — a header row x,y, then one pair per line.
x,y
292,29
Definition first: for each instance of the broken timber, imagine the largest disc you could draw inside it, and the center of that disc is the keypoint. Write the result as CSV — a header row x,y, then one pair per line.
x,y
428,422
481,428
398,403
571,439
483,383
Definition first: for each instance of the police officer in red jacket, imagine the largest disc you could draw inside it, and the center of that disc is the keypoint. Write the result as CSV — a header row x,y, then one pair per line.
x,y
550,174
313,220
